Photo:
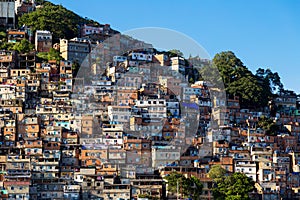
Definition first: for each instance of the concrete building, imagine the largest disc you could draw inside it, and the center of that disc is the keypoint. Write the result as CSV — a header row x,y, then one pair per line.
x,y
164,155
119,114
7,13
75,49
89,29
43,41
15,36
247,167
22,7
178,64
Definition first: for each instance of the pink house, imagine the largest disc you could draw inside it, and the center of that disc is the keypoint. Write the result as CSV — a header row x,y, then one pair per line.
x,y
87,30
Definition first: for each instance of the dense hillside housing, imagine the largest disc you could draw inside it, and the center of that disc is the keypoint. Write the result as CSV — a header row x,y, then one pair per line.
x,y
115,129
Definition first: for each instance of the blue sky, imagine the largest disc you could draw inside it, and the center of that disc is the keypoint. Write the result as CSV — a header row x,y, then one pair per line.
x,y
261,33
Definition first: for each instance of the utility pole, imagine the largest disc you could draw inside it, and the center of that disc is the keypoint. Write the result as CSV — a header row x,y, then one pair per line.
x,y
177,189
181,189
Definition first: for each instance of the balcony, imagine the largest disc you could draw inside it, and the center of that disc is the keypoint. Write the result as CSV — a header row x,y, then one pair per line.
x,y
23,159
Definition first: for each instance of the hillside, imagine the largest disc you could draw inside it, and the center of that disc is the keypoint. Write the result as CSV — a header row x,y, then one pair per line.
x,y
255,90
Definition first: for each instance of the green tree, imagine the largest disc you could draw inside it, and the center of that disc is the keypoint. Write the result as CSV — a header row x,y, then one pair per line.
x,y
269,82
196,188
217,173
75,68
6,45
191,80
270,79
188,187
234,187
230,67
210,73
268,125
3,41
249,91
2,35
51,55
239,80
175,52
24,46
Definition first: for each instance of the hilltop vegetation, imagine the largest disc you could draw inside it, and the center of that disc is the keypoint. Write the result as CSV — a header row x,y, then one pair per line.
x,y
62,22
254,90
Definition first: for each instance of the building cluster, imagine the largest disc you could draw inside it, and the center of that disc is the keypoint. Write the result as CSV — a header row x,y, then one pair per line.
x,y
117,133
118,136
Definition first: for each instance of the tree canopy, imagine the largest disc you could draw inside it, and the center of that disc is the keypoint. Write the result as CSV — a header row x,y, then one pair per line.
x,y
217,173
268,125
24,46
2,35
188,187
175,52
254,90
269,79
51,55
271,127
234,187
